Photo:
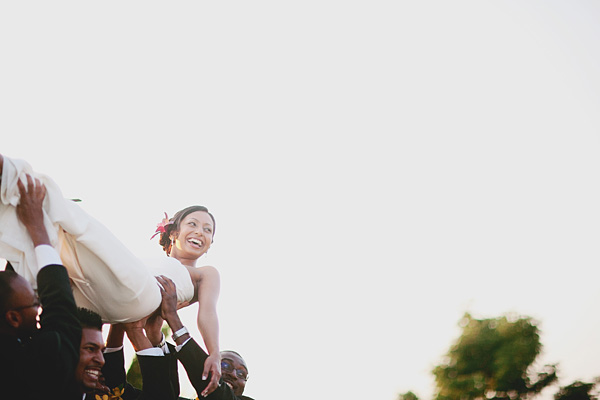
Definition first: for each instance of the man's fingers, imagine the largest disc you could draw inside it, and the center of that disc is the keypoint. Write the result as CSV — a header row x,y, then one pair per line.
x,y
162,283
42,189
166,283
34,186
184,304
162,291
21,187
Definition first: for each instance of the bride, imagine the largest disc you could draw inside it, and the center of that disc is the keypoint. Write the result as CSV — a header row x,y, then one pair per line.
x,y
105,276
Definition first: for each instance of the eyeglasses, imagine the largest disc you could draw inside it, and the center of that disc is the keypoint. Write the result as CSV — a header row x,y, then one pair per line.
x,y
36,304
240,373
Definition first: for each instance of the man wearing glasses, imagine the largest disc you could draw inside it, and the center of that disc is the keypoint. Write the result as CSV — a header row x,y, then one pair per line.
x,y
192,356
37,362
234,372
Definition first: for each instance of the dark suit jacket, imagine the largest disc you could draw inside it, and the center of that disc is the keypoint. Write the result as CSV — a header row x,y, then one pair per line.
x,y
192,356
156,375
44,365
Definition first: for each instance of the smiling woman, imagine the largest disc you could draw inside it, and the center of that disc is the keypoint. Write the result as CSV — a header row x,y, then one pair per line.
x,y
105,276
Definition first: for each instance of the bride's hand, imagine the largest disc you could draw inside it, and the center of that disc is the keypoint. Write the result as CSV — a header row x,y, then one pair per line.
x,y
212,365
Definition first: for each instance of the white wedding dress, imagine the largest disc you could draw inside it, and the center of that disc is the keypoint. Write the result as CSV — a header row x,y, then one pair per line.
x,y
105,276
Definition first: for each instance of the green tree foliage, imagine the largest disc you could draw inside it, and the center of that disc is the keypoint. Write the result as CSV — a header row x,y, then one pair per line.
x,y
576,391
134,374
492,360
408,396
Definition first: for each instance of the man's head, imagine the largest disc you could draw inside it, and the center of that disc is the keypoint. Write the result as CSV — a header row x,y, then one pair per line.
x,y
19,305
234,371
91,358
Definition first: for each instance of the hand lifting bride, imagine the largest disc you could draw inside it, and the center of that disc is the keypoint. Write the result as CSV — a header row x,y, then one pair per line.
x,y
105,276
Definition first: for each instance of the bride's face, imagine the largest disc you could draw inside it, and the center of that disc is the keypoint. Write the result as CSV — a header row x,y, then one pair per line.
x,y
194,236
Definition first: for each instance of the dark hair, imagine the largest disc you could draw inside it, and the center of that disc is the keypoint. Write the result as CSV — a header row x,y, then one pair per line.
x,y
89,319
238,354
6,291
165,237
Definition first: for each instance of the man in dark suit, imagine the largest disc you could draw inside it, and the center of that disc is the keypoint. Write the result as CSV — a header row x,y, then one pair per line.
x,y
37,362
155,366
192,356
159,372
233,367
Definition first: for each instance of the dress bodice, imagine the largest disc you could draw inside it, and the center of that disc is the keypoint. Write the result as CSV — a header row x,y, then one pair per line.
x,y
178,273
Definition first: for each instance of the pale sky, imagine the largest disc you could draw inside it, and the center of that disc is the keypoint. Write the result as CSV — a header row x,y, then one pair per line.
x,y
376,168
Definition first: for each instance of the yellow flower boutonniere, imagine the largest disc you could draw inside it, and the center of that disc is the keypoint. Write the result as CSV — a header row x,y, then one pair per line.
x,y
117,393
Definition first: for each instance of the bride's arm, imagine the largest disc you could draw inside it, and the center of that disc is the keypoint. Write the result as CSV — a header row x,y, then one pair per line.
x,y
209,285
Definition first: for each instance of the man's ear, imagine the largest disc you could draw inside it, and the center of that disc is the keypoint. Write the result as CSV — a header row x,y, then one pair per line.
x,y
13,318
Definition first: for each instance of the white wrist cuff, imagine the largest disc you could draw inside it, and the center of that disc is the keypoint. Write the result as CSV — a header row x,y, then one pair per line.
x,y
152,351
180,333
180,346
46,255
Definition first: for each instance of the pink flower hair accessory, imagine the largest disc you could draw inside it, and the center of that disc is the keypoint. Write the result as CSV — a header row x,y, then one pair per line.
x,y
161,226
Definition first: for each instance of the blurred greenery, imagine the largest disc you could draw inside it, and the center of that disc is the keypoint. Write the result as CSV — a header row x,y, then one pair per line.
x,y
577,391
134,375
492,359
408,396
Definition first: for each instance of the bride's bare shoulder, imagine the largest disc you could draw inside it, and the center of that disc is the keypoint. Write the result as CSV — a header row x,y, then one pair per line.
x,y
201,273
